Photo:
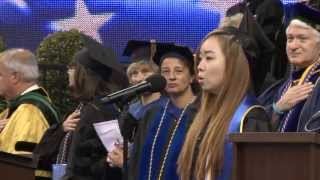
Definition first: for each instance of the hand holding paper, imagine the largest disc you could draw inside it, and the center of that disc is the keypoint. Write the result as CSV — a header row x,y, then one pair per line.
x,y
109,134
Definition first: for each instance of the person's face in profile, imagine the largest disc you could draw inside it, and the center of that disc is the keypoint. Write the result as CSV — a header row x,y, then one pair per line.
x,y
177,75
7,79
303,45
140,73
211,65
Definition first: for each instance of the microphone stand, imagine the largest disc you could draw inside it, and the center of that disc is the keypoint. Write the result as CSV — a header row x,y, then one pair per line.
x,y
125,157
123,104
126,128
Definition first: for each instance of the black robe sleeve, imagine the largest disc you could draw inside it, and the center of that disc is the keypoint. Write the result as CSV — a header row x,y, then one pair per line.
x,y
88,155
48,148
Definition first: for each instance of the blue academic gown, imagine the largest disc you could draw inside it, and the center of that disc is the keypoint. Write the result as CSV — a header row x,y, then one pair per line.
x,y
137,109
165,132
295,119
239,116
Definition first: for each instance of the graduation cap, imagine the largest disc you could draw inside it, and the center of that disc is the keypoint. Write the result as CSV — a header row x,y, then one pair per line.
x,y
255,43
305,13
165,50
100,60
140,50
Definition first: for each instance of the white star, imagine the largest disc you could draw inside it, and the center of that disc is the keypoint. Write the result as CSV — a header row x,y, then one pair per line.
x,y
20,3
218,5
85,22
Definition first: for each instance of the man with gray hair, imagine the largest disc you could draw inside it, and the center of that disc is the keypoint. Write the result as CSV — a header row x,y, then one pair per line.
x,y
296,101
29,111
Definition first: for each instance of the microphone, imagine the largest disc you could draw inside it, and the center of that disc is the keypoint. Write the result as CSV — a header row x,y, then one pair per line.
x,y
153,83
25,146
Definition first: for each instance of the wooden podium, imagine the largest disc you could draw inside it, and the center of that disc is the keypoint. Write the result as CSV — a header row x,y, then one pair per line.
x,y
276,156
16,167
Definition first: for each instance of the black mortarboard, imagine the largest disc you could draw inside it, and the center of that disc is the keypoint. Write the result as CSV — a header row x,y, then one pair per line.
x,y
139,50
171,50
305,13
256,45
100,59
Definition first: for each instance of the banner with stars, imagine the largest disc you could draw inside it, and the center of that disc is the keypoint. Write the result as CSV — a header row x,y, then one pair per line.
x,y
24,23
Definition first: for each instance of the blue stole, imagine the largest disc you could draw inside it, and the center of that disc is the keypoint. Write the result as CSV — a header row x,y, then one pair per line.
x,y
293,115
234,127
137,109
170,168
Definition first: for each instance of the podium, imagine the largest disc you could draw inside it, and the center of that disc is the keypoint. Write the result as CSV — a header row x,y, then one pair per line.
x,y
16,167
276,156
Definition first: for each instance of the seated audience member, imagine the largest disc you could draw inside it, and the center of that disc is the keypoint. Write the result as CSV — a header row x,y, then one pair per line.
x,y
162,129
227,106
293,103
96,73
29,111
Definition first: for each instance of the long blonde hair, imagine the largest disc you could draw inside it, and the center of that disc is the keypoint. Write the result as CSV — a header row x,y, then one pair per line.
x,y
215,113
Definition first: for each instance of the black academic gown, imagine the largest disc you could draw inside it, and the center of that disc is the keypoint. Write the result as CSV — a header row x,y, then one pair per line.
x,y
87,159
48,148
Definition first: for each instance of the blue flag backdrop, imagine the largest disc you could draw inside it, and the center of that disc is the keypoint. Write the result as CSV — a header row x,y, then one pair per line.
x,y
24,23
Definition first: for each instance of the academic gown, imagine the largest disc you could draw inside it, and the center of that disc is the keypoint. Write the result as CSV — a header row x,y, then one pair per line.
x,y
148,125
297,117
137,109
48,148
30,115
27,124
248,117
128,120
309,120
87,159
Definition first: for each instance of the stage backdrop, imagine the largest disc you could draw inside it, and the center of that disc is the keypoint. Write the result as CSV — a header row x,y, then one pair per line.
x,y
24,23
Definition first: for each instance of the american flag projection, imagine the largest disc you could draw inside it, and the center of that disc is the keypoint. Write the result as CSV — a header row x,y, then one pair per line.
x,y
24,23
